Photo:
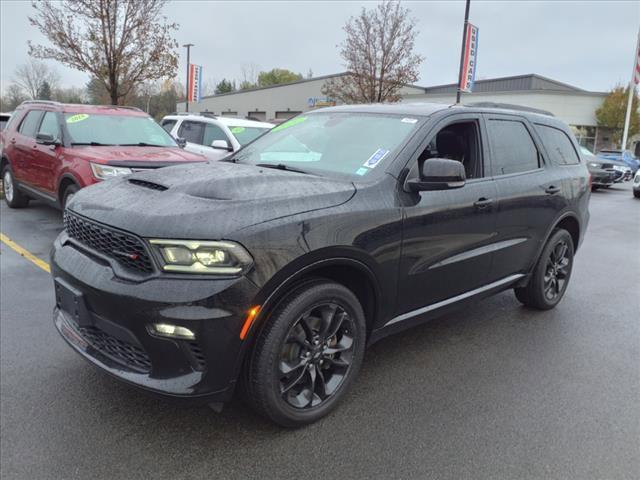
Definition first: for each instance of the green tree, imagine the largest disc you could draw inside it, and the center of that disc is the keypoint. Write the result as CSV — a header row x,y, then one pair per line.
x,y
247,85
612,112
277,76
44,92
225,86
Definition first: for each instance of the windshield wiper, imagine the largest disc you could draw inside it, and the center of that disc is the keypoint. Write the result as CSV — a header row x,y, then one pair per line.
x,y
140,144
281,166
94,144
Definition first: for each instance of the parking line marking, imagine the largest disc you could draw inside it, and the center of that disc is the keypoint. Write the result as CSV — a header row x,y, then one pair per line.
x,y
25,253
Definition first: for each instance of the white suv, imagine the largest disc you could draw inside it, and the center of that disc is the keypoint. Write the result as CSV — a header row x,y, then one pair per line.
x,y
213,136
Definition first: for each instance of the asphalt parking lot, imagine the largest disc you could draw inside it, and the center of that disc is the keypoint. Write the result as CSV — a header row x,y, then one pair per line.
x,y
498,391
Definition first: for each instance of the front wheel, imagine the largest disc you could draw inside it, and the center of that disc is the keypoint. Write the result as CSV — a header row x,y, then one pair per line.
x,y
307,354
551,274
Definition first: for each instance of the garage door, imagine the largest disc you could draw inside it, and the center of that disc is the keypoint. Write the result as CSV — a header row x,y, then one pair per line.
x,y
229,114
286,115
260,116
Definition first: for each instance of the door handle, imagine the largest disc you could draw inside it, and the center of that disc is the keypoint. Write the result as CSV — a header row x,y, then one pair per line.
x,y
483,203
552,189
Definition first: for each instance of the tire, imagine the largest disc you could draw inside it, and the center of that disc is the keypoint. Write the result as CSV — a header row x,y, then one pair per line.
x,y
69,192
14,197
551,275
594,188
636,193
286,371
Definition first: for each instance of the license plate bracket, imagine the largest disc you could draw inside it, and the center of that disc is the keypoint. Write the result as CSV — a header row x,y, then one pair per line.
x,y
72,302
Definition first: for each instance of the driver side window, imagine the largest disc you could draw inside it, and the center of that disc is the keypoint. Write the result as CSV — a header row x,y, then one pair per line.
x,y
458,141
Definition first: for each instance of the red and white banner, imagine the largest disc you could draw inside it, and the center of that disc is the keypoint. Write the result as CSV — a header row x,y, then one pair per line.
x,y
469,59
636,70
195,83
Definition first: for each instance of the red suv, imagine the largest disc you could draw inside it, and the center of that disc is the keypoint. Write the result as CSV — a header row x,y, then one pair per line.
x,y
51,150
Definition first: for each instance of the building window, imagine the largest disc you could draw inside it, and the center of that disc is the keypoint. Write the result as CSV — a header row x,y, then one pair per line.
x,y
585,135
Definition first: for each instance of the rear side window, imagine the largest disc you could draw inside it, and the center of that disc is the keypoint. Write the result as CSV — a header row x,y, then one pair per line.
x,y
29,125
192,132
559,145
168,125
512,148
50,125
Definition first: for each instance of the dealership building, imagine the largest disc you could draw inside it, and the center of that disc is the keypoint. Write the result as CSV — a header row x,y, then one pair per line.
x,y
570,104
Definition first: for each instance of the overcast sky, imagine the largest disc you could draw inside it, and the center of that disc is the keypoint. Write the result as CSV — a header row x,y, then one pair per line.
x,y
589,44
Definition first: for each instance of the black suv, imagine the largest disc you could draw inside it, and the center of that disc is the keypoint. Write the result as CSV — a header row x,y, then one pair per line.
x,y
276,267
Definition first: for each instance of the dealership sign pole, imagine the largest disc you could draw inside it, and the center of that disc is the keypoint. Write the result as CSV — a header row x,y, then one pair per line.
x,y
188,46
465,56
635,79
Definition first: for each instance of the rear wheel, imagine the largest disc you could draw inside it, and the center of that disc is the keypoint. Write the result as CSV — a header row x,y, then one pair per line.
x,y
307,354
551,274
14,197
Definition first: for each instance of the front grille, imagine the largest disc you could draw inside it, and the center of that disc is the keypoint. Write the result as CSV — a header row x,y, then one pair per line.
x,y
122,352
151,185
126,249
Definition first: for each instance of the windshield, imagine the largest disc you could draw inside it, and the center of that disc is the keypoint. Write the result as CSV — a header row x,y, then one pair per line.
x,y
246,135
100,129
346,144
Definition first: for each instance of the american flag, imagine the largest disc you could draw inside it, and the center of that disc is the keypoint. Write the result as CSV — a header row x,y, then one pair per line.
x,y
636,70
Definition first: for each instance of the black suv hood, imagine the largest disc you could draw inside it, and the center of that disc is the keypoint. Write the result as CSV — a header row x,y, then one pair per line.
x,y
206,200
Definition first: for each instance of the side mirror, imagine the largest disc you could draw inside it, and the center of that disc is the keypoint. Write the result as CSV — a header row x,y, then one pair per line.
x,y
182,142
46,139
222,145
439,174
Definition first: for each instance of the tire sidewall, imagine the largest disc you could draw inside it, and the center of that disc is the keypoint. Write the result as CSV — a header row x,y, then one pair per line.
x,y
278,409
69,191
560,234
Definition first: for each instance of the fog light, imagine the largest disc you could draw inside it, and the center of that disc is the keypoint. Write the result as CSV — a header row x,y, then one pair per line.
x,y
171,331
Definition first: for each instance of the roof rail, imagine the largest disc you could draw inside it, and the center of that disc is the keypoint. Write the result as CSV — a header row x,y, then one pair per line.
x,y
509,106
41,102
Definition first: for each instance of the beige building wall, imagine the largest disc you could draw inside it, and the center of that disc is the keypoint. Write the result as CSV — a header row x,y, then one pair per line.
x,y
281,101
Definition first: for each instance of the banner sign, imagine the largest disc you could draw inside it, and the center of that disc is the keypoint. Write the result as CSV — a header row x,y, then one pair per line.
x,y
470,59
636,67
195,83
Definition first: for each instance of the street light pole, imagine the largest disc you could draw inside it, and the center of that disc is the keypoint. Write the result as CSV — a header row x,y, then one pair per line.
x,y
188,46
464,41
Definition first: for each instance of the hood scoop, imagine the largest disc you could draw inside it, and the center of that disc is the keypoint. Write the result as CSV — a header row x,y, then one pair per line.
x,y
146,184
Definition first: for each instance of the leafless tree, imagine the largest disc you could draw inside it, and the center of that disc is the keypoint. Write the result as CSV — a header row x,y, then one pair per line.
x,y
120,43
12,97
31,75
249,76
378,55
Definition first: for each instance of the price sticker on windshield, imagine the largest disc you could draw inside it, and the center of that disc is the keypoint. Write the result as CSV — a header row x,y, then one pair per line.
x,y
77,118
375,159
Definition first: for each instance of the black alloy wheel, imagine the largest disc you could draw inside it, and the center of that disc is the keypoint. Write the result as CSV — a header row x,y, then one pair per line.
x,y
550,276
316,355
306,354
557,271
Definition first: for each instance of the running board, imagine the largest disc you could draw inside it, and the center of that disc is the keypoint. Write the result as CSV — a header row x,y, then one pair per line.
x,y
457,298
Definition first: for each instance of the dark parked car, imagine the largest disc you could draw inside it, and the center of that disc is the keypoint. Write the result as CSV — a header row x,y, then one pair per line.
x,y
51,150
600,177
623,156
275,268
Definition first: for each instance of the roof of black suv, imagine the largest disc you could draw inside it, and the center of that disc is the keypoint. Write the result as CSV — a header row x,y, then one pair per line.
x,y
426,109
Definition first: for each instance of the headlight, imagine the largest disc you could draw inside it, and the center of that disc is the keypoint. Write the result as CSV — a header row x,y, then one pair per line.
x,y
104,172
210,257
595,165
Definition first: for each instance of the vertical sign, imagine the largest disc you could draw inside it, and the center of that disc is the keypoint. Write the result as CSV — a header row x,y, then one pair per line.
x,y
469,59
195,83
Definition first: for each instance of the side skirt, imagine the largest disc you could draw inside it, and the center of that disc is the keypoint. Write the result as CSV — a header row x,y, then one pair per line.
x,y
423,314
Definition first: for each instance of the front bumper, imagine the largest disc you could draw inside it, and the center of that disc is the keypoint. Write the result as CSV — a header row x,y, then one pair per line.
x,y
106,321
601,178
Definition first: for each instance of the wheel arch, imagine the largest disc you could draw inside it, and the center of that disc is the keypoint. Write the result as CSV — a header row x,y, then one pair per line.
x,y
65,181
